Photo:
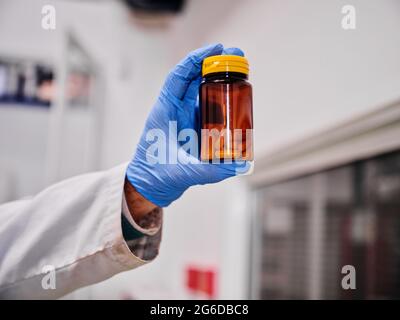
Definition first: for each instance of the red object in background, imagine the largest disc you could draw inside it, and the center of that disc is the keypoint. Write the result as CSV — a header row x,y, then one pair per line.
x,y
200,280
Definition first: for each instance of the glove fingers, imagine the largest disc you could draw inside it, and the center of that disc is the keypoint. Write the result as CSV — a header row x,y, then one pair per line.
x,y
233,51
192,92
212,172
232,169
188,69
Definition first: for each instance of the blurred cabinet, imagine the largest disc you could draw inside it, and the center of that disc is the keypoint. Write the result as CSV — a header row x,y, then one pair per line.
x,y
308,225
75,134
50,117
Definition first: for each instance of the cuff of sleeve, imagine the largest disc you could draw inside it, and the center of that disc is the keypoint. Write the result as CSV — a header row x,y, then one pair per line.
x,y
128,253
142,237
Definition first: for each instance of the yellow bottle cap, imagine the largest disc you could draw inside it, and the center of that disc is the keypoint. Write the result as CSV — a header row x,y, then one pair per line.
x,y
225,63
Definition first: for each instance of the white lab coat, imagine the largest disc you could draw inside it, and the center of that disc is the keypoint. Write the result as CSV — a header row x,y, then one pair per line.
x,y
74,227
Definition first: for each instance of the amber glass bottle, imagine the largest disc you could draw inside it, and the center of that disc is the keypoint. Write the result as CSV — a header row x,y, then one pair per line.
x,y
226,111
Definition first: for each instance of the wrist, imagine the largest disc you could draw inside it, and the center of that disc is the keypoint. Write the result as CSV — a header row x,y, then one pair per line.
x,y
138,205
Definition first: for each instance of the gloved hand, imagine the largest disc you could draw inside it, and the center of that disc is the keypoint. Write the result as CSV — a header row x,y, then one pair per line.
x,y
162,183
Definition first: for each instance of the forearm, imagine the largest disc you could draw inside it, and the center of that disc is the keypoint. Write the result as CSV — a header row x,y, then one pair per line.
x,y
139,207
141,224
75,228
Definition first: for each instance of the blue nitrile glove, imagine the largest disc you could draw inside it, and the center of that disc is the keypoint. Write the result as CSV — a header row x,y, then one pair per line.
x,y
162,183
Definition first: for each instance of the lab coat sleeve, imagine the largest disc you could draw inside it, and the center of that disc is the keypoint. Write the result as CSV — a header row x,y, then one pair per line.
x,y
73,228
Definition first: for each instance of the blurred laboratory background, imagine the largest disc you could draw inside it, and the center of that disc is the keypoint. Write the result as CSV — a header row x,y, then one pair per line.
x,y
325,192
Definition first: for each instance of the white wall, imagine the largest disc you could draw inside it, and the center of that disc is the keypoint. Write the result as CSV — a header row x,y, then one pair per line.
x,y
307,73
